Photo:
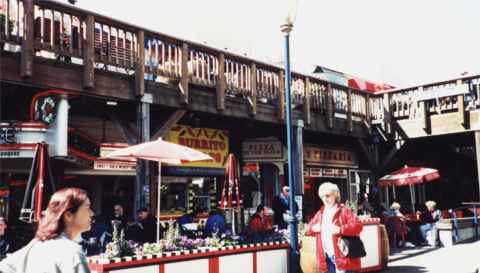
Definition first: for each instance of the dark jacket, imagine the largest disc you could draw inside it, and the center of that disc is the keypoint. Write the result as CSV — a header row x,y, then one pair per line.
x,y
430,217
280,205
148,230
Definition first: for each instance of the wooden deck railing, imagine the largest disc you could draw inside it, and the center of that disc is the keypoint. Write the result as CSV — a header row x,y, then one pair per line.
x,y
49,29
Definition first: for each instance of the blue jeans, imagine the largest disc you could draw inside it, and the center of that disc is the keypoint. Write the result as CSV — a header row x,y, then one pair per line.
x,y
426,228
331,265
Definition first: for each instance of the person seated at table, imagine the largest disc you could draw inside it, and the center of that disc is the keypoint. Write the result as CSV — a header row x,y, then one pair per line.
x,y
93,241
187,218
148,226
429,218
394,225
394,211
259,226
215,223
4,239
364,207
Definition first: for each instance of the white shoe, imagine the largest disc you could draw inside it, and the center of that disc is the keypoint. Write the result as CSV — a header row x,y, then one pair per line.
x,y
408,244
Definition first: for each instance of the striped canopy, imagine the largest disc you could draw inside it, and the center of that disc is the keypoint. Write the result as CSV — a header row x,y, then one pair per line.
x,y
409,176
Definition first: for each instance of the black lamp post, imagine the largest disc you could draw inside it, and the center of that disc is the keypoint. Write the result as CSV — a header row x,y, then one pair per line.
x,y
286,28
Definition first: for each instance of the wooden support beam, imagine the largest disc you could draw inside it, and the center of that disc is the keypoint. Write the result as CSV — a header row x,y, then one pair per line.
x,y
464,117
221,83
307,114
477,156
367,150
393,151
425,112
167,125
142,169
281,96
253,95
387,114
89,54
183,84
129,136
330,110
368,112
27,54
349,111
140,65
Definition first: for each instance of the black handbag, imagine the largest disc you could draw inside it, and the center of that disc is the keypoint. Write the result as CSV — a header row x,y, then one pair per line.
x,y
351,247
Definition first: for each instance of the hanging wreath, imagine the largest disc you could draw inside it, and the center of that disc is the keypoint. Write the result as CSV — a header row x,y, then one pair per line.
x,y
46,109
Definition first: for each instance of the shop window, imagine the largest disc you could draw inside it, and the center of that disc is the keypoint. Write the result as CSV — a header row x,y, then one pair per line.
x,y
201,190
174,198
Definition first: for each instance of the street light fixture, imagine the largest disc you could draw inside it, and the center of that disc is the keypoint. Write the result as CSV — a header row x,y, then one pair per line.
x,y
286,27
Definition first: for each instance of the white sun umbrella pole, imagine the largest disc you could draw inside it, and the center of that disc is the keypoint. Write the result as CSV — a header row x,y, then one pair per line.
x,y
159,195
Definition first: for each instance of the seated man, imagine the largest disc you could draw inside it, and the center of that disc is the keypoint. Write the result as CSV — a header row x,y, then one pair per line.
x,y
259,226
148,226
429,220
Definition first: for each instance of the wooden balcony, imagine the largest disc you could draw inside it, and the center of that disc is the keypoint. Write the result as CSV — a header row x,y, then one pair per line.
x,y
440,108
54,45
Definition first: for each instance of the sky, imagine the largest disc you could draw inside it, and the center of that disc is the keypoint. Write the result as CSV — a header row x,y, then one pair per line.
x,y
402,42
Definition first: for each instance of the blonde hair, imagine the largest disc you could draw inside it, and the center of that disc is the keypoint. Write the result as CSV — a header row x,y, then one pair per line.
x,y
395,206
431,204
329,187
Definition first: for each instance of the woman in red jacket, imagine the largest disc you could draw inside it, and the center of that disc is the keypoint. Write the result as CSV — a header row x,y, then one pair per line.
x,y
329,223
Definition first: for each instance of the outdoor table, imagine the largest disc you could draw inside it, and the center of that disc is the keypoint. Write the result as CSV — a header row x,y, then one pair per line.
x,y
261,258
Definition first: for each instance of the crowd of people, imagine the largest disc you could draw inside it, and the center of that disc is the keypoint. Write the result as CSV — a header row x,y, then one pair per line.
x,y
69,224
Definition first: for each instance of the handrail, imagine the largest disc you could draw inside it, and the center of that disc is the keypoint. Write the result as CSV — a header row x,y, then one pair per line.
x,y
102,19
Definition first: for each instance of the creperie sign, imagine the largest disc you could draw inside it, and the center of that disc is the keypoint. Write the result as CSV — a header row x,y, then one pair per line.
x,y
328,156
262,149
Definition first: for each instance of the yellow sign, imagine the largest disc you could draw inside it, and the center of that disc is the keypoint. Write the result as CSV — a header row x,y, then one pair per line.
x,y
210,141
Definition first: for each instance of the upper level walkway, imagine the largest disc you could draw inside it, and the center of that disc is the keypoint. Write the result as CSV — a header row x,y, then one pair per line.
x,y
54,45
432,109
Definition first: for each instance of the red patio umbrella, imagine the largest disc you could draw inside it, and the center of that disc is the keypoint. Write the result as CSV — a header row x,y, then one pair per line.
x,y
409,176
231,175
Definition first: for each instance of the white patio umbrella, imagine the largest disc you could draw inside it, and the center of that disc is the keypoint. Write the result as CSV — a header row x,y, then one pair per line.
x,y
162,152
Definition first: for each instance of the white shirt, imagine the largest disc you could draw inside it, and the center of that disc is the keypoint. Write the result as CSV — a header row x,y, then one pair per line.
x,y
327,230
59,255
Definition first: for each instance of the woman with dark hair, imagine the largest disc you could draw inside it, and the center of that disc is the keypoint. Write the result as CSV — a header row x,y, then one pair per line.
x,y
55,248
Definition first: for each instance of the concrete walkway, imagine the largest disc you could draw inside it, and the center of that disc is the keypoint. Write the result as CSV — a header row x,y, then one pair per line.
x,y
460,258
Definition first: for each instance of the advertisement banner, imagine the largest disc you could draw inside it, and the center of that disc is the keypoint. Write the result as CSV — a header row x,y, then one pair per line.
x,y
210,141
